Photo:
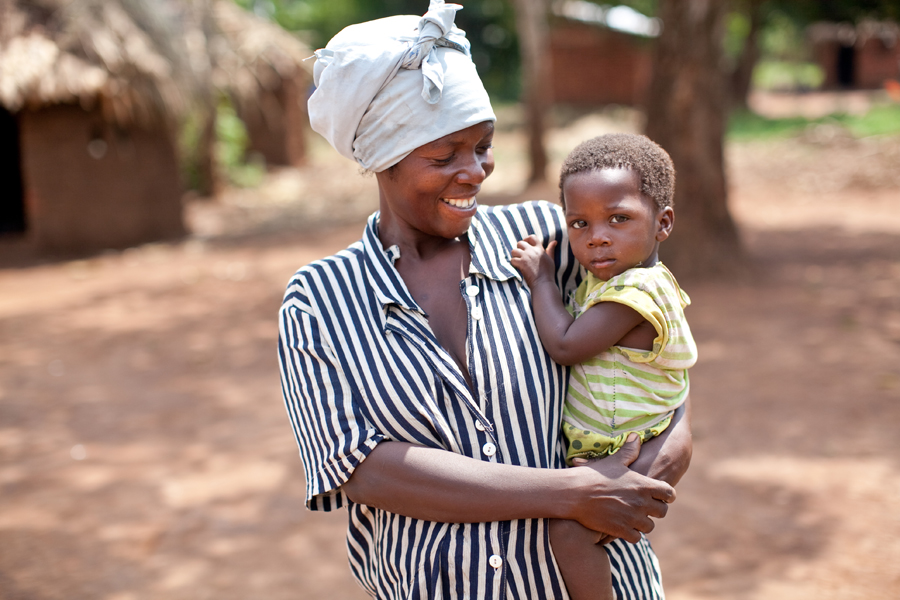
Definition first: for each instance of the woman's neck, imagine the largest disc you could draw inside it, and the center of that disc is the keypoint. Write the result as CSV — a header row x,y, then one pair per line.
x,y
415,244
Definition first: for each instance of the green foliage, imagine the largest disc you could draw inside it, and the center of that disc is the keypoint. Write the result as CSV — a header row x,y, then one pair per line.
x,y
783,38
189,150
787,75
880,120
231,148
231,144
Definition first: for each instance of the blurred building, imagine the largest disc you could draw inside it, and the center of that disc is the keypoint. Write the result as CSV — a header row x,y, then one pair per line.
x,y
86,99
263,68
600,54
91,95
861,56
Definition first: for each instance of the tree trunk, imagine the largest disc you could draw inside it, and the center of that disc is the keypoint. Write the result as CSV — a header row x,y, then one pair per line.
x,y
742,78
686,115
209,183
534,39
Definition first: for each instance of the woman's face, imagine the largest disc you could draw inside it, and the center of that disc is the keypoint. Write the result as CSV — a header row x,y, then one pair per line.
x,y
432,191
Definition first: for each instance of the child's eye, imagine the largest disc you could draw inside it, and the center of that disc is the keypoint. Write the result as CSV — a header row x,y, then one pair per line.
x,y
579,224
618,219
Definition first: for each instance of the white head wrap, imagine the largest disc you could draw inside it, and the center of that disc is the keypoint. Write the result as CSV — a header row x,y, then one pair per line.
x,y
387,87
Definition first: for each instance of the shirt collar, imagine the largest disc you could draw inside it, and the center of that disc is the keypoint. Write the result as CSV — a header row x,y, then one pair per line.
x,y
491,253
490,257
385,280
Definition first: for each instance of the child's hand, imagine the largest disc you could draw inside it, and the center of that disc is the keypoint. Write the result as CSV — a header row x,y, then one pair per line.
x,y
530,258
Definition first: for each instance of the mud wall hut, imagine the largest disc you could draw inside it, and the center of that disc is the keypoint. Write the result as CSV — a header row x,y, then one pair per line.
x,y
600,54
861,56
87,104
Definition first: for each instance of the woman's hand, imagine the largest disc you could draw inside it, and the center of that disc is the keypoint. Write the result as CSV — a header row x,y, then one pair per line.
x,y
437,485
623,504
530,258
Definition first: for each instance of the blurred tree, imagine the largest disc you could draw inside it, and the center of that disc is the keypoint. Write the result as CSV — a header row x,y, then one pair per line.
x,y
751,13
686,115
534,38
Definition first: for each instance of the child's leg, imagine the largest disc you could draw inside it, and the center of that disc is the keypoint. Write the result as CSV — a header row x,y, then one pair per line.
x,y
583,562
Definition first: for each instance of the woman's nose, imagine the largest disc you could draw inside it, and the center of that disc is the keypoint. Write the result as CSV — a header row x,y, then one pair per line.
x,y
475,170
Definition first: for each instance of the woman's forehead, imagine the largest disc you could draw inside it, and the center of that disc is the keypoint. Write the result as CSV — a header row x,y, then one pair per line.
x,y
472,134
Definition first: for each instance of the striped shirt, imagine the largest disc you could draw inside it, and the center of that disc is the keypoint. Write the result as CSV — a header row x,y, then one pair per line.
x,y
360,365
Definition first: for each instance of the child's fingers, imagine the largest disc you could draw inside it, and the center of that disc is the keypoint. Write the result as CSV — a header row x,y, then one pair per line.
x,y
550,247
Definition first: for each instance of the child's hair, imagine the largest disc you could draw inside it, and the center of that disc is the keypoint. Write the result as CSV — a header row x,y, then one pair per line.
x,y
624,151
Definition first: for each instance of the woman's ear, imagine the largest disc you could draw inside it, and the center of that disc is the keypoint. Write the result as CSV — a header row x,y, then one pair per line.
x,y
665,220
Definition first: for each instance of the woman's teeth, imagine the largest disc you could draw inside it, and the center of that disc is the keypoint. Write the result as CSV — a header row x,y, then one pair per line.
x,y
465,203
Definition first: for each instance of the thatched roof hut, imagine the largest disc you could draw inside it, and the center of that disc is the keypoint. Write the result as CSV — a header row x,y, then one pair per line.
x,y
91,92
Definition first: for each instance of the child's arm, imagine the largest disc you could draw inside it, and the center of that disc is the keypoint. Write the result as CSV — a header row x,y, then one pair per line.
x,y
601,326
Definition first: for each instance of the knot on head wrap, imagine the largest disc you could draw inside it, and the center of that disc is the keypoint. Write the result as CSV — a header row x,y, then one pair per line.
x,y
386,87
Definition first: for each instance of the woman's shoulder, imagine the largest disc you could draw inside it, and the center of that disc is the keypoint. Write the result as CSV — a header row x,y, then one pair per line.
x,y
330,271
538,208
523,218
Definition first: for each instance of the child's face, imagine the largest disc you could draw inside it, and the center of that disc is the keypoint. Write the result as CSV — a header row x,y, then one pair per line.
x,y
612,225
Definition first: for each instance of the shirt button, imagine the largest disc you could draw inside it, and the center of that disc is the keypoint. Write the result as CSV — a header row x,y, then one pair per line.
x,y
495,561
479,426
472,291
489,449
477,313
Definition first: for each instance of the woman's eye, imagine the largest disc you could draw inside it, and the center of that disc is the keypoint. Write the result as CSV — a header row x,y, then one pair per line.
x,y
578,224
618,219
444,161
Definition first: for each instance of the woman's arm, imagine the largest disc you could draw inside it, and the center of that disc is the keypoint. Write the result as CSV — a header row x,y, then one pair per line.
x,y
437,485
668,456
569,342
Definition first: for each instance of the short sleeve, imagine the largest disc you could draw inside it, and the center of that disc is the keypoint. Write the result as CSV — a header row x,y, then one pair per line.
x,y
646,305
332,435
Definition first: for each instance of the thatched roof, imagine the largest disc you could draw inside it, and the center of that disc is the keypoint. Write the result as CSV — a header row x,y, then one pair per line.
x,y
253,53
90,51
141,60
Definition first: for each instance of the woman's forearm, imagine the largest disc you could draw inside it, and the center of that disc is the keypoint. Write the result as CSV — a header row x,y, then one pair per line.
x,y
668,456
437,485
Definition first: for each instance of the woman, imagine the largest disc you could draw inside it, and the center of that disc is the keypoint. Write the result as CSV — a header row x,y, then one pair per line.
x,y
413,374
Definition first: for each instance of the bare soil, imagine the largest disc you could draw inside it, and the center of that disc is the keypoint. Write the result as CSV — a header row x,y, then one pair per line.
x,y
145,452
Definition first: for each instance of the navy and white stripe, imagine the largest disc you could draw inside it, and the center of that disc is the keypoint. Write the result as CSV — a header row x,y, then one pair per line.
x,y
360,365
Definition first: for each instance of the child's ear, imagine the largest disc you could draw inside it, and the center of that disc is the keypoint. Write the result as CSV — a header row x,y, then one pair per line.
x,y
665,220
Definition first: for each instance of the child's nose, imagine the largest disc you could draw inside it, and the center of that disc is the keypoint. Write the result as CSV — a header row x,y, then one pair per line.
x,y
599,236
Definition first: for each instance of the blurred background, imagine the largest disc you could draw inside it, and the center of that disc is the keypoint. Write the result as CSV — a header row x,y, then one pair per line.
x,y
159,184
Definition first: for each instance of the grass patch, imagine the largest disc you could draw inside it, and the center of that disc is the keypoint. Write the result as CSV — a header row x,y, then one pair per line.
x,y
880,120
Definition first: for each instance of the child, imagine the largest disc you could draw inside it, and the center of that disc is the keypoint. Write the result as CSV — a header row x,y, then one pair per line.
x,y
627,337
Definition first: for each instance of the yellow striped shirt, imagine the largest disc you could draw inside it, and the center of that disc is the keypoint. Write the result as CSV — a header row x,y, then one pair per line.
x,y
622,389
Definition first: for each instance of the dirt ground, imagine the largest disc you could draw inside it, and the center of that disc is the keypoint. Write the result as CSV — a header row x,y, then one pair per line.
x,y
145,452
